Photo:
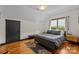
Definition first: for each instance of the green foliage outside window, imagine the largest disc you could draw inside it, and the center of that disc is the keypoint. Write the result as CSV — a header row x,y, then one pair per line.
x,y
59,27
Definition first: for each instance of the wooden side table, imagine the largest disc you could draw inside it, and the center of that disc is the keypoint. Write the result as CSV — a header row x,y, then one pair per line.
x,y
72,38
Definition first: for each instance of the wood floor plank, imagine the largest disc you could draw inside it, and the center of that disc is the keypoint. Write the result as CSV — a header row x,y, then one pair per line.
x,y
20,47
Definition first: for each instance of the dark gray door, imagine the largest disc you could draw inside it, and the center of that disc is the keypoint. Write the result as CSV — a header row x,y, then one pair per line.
x,y
12,31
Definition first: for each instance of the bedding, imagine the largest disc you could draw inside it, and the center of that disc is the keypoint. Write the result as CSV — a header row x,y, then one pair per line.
x,y
55,32
56,39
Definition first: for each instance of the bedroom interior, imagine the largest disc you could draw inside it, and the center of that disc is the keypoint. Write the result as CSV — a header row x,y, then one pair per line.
x,y
39,29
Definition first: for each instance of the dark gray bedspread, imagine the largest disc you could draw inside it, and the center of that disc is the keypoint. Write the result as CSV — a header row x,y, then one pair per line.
x,y
57,39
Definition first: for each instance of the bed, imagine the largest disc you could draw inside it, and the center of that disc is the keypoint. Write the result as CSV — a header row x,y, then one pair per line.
x,y
51,39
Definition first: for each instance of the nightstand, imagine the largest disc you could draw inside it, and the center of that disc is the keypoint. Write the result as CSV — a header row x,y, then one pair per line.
x,y
72,38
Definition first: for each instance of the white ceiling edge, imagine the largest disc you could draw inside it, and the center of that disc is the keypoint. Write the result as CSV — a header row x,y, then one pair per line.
x,y
61,14
53,8
58,10
49,8
45,14
70,8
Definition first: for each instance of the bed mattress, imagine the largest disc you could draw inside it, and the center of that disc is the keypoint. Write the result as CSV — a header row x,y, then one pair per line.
x,y
57,39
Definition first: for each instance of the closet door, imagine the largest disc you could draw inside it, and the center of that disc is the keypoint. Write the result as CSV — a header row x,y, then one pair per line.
x,y
12,31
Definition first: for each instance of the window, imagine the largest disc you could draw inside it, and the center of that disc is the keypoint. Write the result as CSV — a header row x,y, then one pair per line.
x,y
57,24
53,24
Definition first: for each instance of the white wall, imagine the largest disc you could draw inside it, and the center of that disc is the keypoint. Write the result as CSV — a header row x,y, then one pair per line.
x,y
29,27
33,21
2,30
73,19
30,20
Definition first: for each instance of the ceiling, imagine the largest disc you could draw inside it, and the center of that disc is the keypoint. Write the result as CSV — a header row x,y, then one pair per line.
x,y
49,8
54,8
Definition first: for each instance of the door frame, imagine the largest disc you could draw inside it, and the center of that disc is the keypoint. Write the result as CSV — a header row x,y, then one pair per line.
x,y
6,30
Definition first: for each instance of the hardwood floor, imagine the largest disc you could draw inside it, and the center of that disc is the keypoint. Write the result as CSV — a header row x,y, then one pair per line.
x,y
20,47
16,48
68,48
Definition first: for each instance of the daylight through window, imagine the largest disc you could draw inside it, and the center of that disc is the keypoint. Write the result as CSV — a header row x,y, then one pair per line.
x,y
57,24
